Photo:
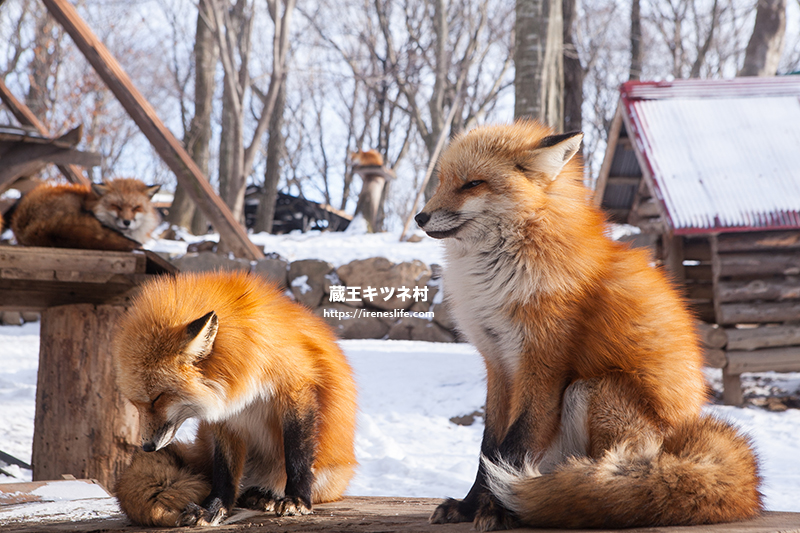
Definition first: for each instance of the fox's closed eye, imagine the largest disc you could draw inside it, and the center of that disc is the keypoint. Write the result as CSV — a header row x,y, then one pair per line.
x,y
471,184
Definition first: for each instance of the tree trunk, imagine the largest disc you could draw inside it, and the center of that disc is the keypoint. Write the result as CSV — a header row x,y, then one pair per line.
x,y
539,62
183,211
83,426
437,102
41,67
272,174
635,71
573,73
764,49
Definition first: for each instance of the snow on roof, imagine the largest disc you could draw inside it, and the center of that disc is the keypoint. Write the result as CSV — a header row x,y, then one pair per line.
x,y
723,154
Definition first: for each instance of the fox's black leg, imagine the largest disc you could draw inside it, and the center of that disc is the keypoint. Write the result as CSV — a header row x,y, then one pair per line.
x,y
490,515
453,510
226,471
299,445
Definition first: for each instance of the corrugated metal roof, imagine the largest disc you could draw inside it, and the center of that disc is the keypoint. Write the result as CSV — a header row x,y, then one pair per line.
x,y
724,155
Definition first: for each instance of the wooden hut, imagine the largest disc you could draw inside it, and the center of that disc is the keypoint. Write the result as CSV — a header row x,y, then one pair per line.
x,y
709,171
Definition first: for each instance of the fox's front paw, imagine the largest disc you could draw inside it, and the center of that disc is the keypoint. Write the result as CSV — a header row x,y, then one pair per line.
x,y
257,499
194,515
492,516
292,506
448,513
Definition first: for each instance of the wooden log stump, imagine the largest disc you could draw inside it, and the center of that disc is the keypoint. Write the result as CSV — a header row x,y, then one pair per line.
x,y
83,425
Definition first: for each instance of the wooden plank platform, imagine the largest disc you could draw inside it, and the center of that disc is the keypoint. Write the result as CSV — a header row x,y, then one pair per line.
x,y
372,515
33,278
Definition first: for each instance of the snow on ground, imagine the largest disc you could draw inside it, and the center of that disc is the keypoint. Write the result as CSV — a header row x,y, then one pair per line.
x,y
406,444
338,248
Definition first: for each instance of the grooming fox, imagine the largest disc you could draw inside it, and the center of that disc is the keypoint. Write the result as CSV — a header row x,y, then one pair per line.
x,y
272,390
593,366
116,215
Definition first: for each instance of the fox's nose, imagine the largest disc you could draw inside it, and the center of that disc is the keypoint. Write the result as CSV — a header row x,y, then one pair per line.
x,y
422,218
149,447
126,222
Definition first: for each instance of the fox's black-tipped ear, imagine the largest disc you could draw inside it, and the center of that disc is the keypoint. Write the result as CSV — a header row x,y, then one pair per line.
x,y
99,188
200,335
553,152
152,190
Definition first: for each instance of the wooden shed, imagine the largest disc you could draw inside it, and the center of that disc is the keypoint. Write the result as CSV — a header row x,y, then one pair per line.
x,y
709,171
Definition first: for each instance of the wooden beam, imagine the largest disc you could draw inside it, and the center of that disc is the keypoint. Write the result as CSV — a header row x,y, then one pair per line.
x,y
611,148
785,359
758,312
759,289
760,240
757,264
26,117
763,337
232,235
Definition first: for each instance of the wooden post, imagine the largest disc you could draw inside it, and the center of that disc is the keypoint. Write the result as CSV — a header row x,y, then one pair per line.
x,y
731,388
83,425
166,145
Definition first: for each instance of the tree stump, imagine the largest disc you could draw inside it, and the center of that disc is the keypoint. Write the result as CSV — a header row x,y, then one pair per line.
x,y
83,425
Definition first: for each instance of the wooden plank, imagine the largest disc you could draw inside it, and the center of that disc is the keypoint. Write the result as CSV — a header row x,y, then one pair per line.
x,y
170,150
381,514
758,313
758,264
605,166
759,241
763,337
37,295
46,491
759,289
26,117
40,259
786,359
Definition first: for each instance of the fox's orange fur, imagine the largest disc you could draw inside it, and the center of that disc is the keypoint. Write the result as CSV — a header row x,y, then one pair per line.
x,y
593,364
116,215
272,390
366,158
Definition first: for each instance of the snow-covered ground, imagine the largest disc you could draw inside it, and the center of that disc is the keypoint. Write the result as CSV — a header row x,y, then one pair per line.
x,y
408,391
336,248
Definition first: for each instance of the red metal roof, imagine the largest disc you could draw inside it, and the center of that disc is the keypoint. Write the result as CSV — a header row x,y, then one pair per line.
x,y
724,155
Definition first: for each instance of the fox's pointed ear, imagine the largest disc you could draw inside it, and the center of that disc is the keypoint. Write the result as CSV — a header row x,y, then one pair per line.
x,y
553,152
152,190
99,188
200,335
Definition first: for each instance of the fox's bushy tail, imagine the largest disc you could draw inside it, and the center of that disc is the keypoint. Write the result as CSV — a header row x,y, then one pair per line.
x,y
704,472
157,486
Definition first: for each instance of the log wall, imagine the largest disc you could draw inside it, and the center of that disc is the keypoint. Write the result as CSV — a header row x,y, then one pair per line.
x,y
756,299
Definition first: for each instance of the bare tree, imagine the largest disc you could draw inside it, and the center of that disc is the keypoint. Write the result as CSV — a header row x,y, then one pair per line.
x,y
635,71
281,12
573,72
197,137
539,61
764,49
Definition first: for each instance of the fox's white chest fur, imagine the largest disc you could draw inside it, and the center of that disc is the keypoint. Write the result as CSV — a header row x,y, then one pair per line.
x,y
480,285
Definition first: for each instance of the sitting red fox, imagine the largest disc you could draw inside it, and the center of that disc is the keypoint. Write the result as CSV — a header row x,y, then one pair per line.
x,y
116,215
272,390
593,365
